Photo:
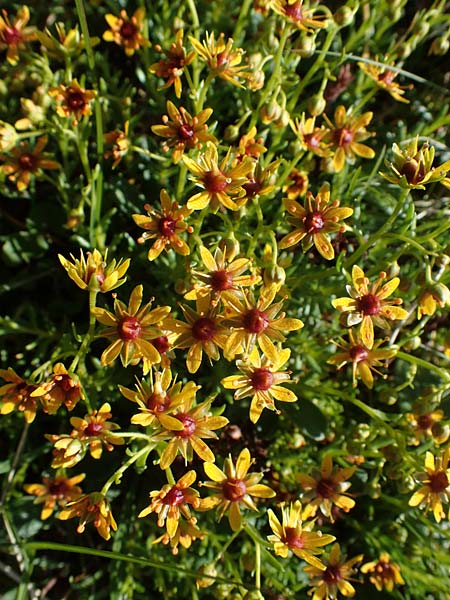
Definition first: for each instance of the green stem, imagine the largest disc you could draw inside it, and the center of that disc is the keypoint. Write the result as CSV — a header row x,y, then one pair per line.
x,y
89,334
242,20
420,362
194,14
15,462
117,474
203,92
257,566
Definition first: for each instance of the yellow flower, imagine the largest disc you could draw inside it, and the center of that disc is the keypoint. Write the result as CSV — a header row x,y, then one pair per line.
x,y
303,18
412,167
296,536
165,226
14,35
425,423
131,329
314,221
384,78
94,272
234,486
120,143
368,305
183,131
431,297
261,380
311,138
185,534
25,162
127,31
363,359
66,44
173,66
203,332
346,135
54,491
222,183
194,424
327,487
73,100
91,508
61,388
262,181
335,578
222,59
297,184
436,485
256,322
16,394
384,573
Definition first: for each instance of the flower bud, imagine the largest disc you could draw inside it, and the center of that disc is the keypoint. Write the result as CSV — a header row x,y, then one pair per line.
x,y
440,432
230,247
316,104
274,274
231,133
343,16
439,46
306,46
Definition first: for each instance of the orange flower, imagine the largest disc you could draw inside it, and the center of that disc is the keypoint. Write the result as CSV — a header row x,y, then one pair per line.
x,y
61,388
262,181
310,137
91,508
165,226
183,131
74,100
126,31
368,305
334,578
234,487
120,143
26,162
173,66
303,18
16,394
384,78
384,573
249,146
54,491
14,36
297,184
346,135
435,485
131,329
327,488
185,534
425,423
222,184
314,221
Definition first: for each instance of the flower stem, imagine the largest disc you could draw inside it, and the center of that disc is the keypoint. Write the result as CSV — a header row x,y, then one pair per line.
x,y
89,334
117,474
420,362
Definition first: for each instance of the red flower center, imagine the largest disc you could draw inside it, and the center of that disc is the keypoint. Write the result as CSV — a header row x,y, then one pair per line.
x,y
222,58
326,488
369,304
214,182
93,428
387,77
261,379
58,489
384,569
252,187
27,162
186,131
294,11
128,30
292,538
204,329
332,574
438,482
75,100
189,425
343,136
161,343
174,496
314,222
221,280
312,140
255,321
234,489
425,421
129,329
11,36
167,226
413,171
158,402
358,353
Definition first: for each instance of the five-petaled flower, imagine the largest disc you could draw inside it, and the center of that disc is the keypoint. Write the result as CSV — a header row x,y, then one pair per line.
x,y
172,67
165,225
73,100
53,491
23,162
426,423
61,388
233,487
435,482
314,221
384,574
127,31
294,535
368,306
131,329
384,77
335,577
91,508
14,35
303,18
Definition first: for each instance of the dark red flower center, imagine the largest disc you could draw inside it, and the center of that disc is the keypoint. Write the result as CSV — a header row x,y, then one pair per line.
x,y
221,280
314,222
27,162
387,77
234,489
343,136
128,30
186,131
413,171
161,343
332,574
438,482
174,496
252,187
222,58
129,329
189,425
425,421
326,488
261,379
214,182
384,569
11,36
292,538
204,329
58,489
167,226
93,428
294,11
312,140
76,100
369,304
158,402
358,353
255,321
